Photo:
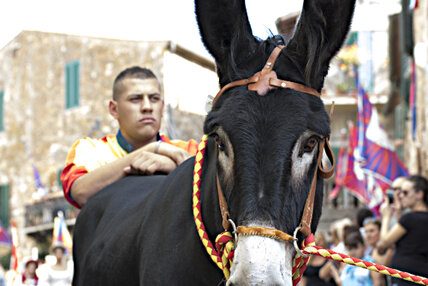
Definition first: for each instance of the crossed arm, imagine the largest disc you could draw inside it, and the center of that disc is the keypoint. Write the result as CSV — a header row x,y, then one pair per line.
x,y
143,161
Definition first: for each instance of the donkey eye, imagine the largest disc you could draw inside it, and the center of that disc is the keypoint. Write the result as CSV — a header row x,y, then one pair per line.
x,y
310,144
220,145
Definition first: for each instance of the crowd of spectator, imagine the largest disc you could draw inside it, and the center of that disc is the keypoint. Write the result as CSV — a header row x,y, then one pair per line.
x,y
396,238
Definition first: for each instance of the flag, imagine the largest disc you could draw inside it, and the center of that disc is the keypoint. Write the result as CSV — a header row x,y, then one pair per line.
x,y
354,179
375,150
61,235
413,4
5,241
412,100
15,245
37,180
338,181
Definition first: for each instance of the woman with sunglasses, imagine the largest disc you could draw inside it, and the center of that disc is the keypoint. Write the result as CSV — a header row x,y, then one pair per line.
x,y
410,233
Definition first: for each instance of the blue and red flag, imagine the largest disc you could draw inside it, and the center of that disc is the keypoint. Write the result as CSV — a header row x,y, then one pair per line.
x,y
340,172
375,151
355,179
61,235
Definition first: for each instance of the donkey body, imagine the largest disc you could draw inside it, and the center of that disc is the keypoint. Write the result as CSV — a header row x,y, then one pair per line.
x,y
263,147
129,235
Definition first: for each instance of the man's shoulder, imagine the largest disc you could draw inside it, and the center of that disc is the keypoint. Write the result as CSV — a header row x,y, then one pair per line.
x,y
96,141
190,146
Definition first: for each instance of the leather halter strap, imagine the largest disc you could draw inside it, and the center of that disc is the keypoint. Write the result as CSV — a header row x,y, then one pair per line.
x,y
262,82
266,79
306,221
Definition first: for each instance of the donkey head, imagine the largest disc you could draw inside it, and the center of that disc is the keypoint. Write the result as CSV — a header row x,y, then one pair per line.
x,y
268,140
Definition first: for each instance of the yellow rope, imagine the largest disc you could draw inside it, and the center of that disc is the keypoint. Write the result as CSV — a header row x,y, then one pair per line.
x,y
224,241
330,254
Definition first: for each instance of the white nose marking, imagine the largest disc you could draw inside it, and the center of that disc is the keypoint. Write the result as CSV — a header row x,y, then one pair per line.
x,y
261,261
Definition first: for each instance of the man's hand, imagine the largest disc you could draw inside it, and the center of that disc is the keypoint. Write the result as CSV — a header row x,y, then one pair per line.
x,y
178,155
146,162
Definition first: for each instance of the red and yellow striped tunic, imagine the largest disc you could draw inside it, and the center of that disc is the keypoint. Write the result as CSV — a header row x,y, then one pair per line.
x,y
87,154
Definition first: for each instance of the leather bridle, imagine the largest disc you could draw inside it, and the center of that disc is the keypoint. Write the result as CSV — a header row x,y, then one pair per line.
x,y
262,82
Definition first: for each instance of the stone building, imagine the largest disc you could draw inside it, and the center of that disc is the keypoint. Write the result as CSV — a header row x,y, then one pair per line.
x,y
54,89
415,151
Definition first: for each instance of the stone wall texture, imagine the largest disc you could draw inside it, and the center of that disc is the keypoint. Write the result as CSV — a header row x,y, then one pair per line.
x,y
415,149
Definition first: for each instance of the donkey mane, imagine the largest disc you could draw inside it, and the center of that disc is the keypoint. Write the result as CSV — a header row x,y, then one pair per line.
x,y
240,66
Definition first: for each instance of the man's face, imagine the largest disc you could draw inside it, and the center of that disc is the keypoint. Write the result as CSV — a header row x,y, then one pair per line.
x,y
372,233
138,110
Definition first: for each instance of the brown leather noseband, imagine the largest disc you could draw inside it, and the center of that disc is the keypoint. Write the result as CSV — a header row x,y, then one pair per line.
x,y
262,82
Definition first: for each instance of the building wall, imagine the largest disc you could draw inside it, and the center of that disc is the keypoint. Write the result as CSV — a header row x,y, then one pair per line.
x,y
39,130
415,150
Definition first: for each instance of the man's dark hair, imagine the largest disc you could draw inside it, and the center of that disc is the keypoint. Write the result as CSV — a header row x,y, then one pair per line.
x,y
353,239
362,214
132,72
420,183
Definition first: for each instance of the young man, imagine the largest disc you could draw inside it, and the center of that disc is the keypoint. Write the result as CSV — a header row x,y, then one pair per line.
x,y
137,148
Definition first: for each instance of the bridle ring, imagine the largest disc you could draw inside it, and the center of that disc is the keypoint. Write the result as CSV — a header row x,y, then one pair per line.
x,y
296,246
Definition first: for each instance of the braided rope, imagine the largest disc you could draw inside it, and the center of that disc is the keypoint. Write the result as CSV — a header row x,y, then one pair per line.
x,y
301,262
330,254
224,240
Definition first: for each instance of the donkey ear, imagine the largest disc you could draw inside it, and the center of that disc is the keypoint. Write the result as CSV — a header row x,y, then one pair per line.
x,y
223,23
320,33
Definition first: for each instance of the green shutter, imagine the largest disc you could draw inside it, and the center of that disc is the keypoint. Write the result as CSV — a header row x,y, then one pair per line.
x,y
352,39
59,177
1,110
72,84
4,205
77,83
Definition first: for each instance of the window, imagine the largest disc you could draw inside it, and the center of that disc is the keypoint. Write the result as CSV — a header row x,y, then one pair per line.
x,y
59,177
72,84
352,39
1,110
4,205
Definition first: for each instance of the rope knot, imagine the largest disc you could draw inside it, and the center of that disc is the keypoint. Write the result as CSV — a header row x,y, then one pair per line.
x,y
300,262
225,246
